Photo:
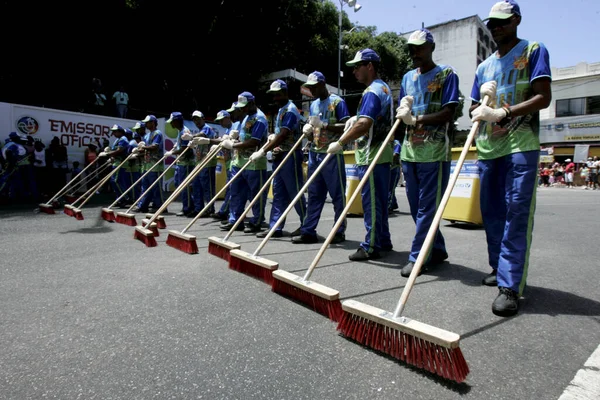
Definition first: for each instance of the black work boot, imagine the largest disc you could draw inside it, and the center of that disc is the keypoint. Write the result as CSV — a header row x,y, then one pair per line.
x,y
491,279
507,303
407,269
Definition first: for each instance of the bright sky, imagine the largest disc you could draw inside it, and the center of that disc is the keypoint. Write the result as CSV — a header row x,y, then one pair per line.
x,y
570,29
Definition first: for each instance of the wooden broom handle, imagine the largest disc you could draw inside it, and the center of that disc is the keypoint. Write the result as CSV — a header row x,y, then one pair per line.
x,y
136,182
428,242
357,191
223,189
185,183
261,191
96,186
64,189
105,179
88,178
157,180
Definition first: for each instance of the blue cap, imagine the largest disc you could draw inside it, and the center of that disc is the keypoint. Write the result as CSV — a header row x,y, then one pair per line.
x,y
175,115
277,85
149,118
420,37
128,131
243,99
13,135
136,135
314,78
504,10
222,114
116,127
362,56
232,108
139,125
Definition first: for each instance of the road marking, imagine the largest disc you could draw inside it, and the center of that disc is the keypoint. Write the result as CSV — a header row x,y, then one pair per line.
x,y
586,384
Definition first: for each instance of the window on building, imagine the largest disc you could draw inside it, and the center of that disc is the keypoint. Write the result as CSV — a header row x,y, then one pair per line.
x,y
486,40
480,32
593,105
570,107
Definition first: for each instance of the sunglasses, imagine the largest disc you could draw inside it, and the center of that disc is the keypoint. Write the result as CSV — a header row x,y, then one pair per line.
x,y
363,64
498,23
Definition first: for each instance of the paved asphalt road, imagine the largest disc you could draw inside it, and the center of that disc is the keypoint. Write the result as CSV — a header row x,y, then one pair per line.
x,y
87,312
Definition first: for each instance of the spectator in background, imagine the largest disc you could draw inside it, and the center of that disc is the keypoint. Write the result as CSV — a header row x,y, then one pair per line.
x,y
60,166
121,99
39,166
569,170
592,175
74,172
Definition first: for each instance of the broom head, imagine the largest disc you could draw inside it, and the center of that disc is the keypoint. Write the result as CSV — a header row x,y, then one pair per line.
x,y
322,299
77,214
221,248
152,226
182,241
256,266
46,208
70,198
144,235
418,344
126,219
68,209
107,214
160,221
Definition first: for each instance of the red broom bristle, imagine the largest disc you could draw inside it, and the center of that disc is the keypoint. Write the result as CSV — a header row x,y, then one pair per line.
x,y
161,223
447,363
149,241
332,309
219,251
251,269
68,211
70,199
187,246
78,216
126,221
107,216
47,210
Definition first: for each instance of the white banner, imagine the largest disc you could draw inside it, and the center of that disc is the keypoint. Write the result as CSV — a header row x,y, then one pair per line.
x,y
580,155
74,130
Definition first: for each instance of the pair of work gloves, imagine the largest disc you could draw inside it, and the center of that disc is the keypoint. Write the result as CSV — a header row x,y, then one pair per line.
x,y
489,113
315,122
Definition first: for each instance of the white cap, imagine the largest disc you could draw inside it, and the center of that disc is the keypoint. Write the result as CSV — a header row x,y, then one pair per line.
x,y
197,114
568,160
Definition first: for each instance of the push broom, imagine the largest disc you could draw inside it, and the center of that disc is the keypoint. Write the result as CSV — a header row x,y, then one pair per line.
x,y
68,208
320,298
107,213
186,242
48,207
147,232
221,247
128,218
260,267
418,344
77,210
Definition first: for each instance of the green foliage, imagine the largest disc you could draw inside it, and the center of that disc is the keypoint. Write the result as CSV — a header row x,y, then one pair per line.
x,y
178,55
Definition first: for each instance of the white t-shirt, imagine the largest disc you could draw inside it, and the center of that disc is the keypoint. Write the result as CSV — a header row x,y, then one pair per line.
x,y
40,156
121,98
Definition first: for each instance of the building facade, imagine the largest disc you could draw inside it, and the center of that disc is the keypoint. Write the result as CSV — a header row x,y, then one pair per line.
x,y
463,44
570,127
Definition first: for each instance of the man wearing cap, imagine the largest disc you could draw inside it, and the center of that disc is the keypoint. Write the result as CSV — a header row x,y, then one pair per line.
x,y
17,162
185,164
290,178
253,134
204,184
427,102
133,166
224,119
119,181
517,79
369,128
569,172
151,148
328,114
